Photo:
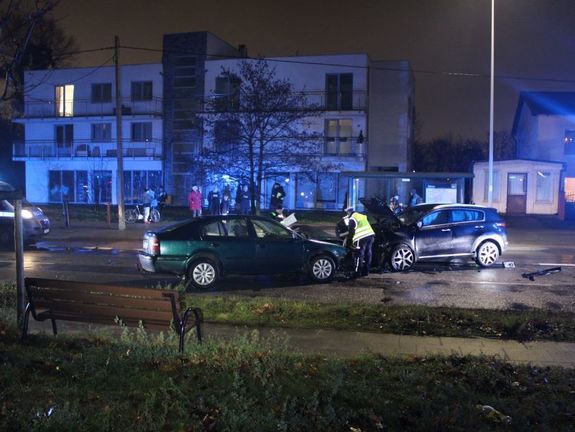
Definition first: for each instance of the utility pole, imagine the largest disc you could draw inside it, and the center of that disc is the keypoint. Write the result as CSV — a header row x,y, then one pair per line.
x,y
19,248
119,145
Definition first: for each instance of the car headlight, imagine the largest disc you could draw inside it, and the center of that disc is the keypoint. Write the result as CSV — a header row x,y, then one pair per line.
x,y
27,214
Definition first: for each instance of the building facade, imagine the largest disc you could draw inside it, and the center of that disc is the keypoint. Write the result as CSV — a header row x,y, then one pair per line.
x,y
365,121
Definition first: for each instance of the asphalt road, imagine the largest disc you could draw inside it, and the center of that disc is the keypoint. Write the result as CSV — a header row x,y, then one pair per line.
x,y
100,254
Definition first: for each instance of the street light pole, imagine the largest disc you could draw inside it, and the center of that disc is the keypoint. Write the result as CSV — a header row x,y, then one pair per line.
x,y
491,95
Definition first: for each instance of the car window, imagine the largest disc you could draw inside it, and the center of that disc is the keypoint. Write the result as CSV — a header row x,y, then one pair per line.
x,y
461,215
270,229
236,227
435,218
213,229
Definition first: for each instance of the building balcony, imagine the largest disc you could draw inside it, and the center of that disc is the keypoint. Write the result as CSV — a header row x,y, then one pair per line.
x,y
344,147
85,149
86,108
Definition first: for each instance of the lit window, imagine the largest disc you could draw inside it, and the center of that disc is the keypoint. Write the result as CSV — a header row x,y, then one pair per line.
x,y
544,187
338,137
65,100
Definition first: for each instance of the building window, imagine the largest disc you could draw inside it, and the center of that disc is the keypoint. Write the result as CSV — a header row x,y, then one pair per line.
x,y
142,131
339,91
496,186
142,91
338,137
226,135
570,142
101,132
227,93
135,183
101,186
64,139
327,188
101,92
544,187
305,190
65,100
68,185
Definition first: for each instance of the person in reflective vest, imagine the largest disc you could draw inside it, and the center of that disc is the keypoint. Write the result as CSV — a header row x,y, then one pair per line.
x,y
360,233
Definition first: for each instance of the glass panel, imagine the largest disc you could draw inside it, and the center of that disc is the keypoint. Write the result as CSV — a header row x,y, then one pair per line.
x,y
326,187
82,187
54,182
496,184
67,188
346,91
516,184
331,92
544,187
435,218
102,186
305,187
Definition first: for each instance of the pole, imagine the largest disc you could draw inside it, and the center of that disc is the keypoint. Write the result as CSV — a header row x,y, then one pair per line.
x,y
491,99
119,146
19,248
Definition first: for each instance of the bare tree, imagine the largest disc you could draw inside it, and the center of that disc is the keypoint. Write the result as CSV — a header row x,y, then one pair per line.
x,y
29,39
260,125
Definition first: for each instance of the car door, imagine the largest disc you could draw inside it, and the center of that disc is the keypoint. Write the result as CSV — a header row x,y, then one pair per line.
x,y
277,250
433,237
466,226
229,240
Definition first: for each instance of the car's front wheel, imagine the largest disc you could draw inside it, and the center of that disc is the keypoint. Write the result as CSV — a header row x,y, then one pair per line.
x,y
486,254
402,258
321,269
202,274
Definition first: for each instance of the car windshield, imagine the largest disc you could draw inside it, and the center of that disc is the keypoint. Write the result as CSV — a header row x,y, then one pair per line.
x,y
411,215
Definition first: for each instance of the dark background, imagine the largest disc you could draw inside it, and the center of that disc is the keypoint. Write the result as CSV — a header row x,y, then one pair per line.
x,y
441,38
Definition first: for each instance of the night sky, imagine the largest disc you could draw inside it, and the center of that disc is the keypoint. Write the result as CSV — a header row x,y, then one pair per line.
x,y
533,39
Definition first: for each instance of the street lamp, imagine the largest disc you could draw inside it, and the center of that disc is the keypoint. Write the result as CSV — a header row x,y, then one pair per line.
x,y
490,180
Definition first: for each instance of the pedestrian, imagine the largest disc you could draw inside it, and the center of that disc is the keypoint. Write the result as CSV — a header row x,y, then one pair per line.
x,y
225,204
277,196
360,234
147,199
214,202
195,201
414,198
244,200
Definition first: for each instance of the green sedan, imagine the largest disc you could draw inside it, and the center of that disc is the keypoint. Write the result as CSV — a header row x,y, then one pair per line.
x,y
205,249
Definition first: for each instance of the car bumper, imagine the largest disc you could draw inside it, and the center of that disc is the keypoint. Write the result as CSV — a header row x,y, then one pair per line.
x,y
147,262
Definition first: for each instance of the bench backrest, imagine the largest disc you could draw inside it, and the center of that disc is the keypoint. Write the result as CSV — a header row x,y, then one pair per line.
x,y
99,303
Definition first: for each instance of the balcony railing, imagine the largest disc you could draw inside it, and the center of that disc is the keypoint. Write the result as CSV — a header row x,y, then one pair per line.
x,y
344,147
86,149
86,108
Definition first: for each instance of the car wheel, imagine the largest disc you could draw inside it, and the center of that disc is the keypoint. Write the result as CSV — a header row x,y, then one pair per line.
x,y
486,254
402,258
203,274
321,268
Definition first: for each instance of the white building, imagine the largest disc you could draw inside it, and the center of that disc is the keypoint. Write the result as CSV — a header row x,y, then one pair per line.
x,y
69,122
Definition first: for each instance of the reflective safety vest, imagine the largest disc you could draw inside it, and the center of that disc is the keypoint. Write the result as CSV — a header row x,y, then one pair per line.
x,y
363,229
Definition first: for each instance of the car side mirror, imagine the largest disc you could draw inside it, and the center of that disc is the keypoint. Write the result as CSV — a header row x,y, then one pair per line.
x,y
419,224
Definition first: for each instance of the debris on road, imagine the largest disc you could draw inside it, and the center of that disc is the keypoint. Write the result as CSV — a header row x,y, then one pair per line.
x,y
545,272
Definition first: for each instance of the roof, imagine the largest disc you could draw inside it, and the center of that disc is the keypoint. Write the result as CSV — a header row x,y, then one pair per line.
x,y
545,103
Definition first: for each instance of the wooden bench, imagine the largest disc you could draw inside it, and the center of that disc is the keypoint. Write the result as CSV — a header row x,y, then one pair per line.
x,y
107,304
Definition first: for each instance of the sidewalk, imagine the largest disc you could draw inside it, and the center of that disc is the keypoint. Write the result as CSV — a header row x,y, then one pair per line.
x,y
349,344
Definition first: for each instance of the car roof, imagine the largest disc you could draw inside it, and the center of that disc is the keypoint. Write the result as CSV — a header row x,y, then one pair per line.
x,y
454,205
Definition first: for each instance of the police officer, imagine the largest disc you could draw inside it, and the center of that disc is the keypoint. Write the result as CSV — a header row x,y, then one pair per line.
x,y
360,233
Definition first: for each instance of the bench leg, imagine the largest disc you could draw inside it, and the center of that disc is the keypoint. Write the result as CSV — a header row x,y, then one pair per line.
x,y
25,322
54,328
184,323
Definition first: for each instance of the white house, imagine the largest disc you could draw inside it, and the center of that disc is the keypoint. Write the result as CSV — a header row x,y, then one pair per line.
x,y
69,122
544,130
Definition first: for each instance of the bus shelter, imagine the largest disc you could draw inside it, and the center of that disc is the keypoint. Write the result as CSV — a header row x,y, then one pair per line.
x,y
431,187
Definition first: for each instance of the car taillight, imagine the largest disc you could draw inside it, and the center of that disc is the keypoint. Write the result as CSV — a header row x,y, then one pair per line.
x,y
153,245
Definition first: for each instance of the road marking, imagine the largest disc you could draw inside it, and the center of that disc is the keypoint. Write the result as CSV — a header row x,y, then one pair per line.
x,y
557,264
498,283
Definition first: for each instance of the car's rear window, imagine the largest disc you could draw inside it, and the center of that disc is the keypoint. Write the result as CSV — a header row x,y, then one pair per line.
x,y
466,215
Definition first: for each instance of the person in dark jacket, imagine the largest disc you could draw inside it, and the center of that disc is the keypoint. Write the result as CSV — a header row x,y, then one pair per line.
x,y
244,200
214,202
277,196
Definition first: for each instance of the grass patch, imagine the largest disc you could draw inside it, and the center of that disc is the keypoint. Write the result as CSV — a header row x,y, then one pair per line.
x,y
138,382
533,324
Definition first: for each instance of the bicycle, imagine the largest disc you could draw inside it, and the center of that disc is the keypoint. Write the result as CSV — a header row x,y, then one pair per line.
x,y
136,215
